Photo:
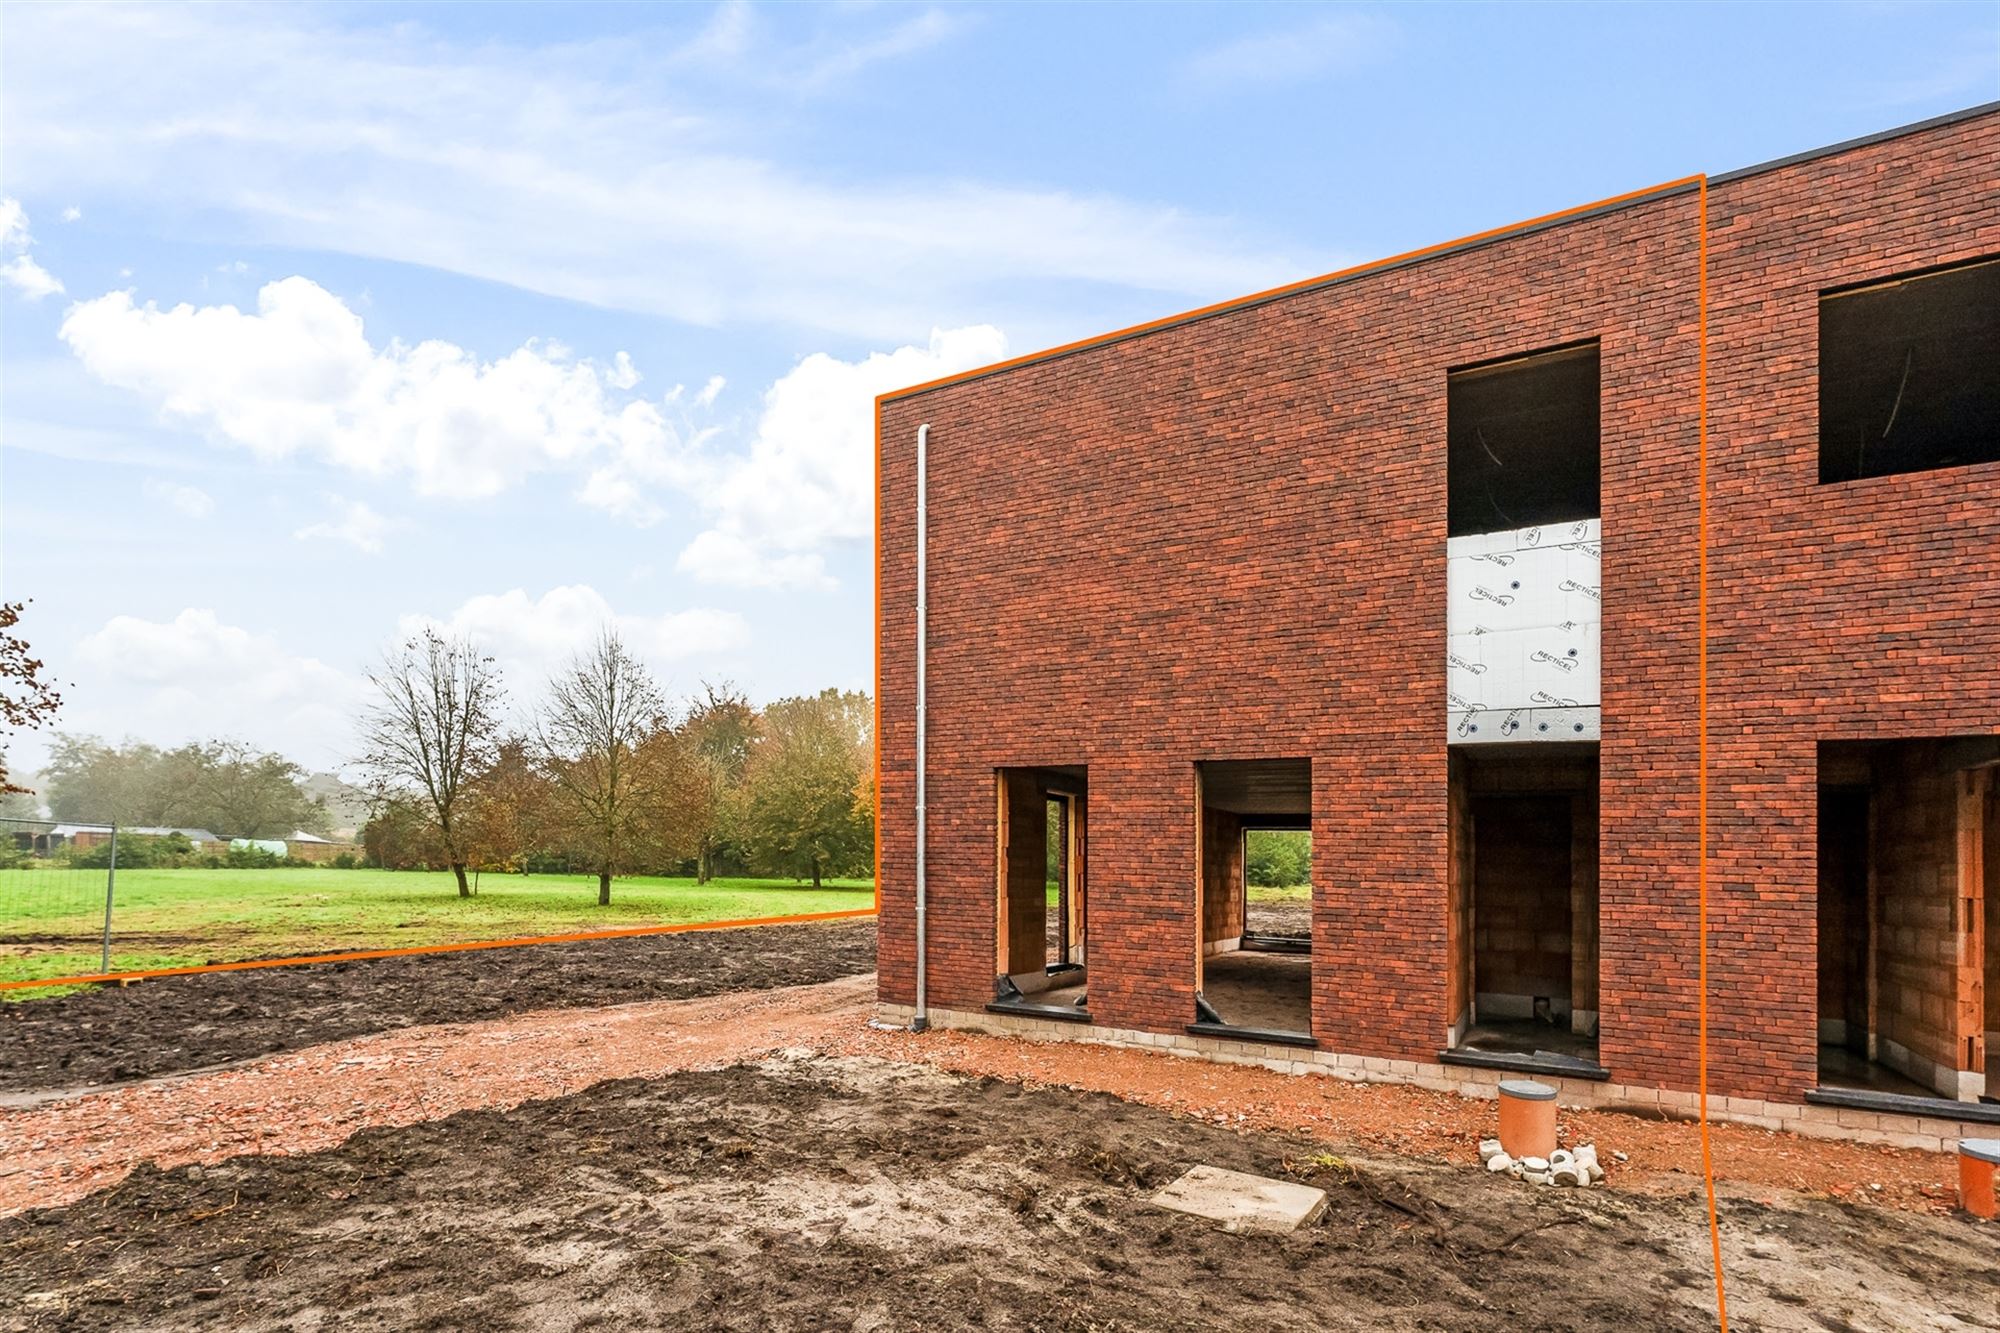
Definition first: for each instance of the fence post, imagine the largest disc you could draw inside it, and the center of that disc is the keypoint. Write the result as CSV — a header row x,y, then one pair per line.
x,y
110,881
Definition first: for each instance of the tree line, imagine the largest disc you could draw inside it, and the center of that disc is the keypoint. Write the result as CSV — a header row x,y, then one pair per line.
x,y
608,777
226,787
605,776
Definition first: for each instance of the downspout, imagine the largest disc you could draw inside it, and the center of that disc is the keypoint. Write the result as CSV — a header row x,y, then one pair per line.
x,y
921,1019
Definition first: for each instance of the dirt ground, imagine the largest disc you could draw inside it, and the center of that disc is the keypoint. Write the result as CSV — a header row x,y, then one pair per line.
x,y
112,1034
816,1192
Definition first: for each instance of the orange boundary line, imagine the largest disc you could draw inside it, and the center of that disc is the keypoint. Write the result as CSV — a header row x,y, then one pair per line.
x,y
1354,271
359,955
1701,738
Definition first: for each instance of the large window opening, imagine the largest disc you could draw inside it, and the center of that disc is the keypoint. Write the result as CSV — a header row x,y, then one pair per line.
x,y
1909,373
1253,983
1907,840
1041,936
1277,892
1522,907
1523,441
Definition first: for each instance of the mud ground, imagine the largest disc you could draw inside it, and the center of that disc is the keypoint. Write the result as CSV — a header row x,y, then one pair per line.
x,y
110,1034
811,1193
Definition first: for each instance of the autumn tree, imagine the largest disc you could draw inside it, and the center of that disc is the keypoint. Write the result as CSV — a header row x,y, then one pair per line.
x,y
609,789
807,776
720,728
510,808
27,698
430,730
400,835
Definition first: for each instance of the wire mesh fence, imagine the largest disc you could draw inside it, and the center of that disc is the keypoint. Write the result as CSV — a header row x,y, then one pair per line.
x,y
57,893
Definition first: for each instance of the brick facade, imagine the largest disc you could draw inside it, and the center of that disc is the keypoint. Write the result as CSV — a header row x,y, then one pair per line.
x,y
1224,538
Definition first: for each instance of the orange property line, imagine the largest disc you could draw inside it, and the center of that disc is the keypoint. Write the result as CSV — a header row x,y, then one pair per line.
x,y
1355,271
1701,732
359,955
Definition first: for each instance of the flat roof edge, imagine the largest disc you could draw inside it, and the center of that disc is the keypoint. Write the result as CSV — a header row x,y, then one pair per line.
x,y
1565,218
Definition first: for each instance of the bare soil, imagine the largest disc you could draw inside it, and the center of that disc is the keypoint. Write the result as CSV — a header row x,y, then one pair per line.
x,y
808,1192
111,1034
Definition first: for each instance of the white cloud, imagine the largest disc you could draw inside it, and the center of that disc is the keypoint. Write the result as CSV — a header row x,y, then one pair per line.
x,y
194,676
533,637
1333,42
192,501
29,278
20,272
353,522
551,167
72,214
907,38
808,478
726,558
299,376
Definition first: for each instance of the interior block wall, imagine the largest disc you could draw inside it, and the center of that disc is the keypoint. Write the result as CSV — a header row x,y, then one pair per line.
x,y
1521,900
1226,539
1027,873
1222,876
1915,855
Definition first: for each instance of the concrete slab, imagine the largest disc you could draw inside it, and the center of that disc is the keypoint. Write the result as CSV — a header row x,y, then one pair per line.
x,y
1243,1202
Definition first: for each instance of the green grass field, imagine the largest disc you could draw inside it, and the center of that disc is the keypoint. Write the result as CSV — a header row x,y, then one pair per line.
x,y
170,918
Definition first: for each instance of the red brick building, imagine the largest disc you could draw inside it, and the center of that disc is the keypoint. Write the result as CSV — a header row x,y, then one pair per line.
x,y
1203,578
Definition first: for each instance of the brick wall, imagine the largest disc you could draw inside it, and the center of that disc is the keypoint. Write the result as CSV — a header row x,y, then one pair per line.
x,y
1225,539
1869,609
1583,905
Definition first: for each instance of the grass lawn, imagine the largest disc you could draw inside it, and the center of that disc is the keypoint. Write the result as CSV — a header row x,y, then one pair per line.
x,y
170,918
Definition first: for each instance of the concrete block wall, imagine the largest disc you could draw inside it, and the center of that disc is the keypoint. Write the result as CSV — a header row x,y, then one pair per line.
x,y
1225,539
1914,837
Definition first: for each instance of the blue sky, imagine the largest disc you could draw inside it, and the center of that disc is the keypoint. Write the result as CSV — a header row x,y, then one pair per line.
x,y
320,323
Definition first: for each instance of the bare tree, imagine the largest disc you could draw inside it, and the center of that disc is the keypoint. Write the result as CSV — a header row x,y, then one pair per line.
x,y
601,711
431,730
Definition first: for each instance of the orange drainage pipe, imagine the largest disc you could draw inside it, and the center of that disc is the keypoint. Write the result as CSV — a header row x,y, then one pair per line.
x,y
466,946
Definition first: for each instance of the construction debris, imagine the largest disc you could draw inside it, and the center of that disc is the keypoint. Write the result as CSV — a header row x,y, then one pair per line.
x,y
1561,1167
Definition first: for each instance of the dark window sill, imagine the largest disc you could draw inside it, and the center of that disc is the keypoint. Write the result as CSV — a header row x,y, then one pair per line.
x,y
1898,1103
1556,1066
1269,1036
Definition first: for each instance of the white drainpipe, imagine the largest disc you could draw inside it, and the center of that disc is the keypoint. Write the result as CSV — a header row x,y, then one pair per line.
x,y
922,1019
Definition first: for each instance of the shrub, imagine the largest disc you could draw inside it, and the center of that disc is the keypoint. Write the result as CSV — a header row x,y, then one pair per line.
x,y
1278,858
344,861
